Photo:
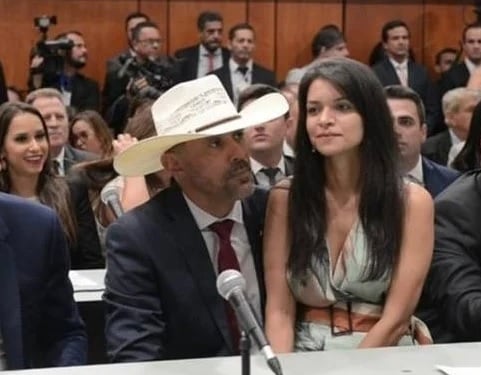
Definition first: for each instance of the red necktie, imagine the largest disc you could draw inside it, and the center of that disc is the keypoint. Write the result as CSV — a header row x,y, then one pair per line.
x,y
210,58
227,259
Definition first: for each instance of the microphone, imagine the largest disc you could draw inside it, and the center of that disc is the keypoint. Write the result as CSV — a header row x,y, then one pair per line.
x,y
110,197
231,286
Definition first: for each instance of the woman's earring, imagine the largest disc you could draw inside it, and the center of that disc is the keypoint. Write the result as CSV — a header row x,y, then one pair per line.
x,y
313,150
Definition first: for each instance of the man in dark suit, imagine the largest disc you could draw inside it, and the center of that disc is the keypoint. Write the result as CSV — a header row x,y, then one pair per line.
x,y
265,142
459,74
208,55
450,301
163,257
458,107
40,325
149,73
241,71
86,252
78,91
132,20
409,124
397,69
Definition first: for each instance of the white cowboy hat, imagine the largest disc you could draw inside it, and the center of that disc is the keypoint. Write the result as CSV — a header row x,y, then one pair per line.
x,y
194,110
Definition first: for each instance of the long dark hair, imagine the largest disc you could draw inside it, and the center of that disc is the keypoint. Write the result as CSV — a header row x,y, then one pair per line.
x,y
469,156
381,206
51,189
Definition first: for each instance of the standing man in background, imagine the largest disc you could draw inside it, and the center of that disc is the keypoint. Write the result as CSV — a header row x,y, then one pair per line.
x,y
208,55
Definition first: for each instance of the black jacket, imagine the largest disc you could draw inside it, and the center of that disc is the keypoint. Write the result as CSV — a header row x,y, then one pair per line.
x,y
451,301
161,296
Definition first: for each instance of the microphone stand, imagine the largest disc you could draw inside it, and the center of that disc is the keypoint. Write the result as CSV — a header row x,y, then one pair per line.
x,y
245,352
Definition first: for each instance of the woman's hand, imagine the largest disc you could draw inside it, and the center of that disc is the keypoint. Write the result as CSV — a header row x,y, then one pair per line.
x,y
123,142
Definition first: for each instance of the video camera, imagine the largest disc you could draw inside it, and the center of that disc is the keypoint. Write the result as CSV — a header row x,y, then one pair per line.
x,y
160,75
52,51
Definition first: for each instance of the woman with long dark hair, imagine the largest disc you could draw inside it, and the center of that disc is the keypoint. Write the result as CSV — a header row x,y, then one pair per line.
x,y
347,243
27,171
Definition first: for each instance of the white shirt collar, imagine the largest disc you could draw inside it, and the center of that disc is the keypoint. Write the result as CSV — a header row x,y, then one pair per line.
x,y
60,159
204,219
454,138
205,52
256,166
470,65
396,64
233,65
417,171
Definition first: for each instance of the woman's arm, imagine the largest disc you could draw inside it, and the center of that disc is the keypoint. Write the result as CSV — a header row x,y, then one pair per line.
x,y
280,305
410,271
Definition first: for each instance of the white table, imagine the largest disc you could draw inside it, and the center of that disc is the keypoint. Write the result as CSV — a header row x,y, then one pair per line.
x,y
385,361
88,285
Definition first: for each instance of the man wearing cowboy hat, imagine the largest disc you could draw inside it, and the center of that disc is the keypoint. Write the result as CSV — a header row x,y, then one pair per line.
x,y
164,256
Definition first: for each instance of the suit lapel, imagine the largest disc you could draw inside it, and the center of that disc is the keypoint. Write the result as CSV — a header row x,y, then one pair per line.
x,y
289,165
228,81
253,221
10,317
192,245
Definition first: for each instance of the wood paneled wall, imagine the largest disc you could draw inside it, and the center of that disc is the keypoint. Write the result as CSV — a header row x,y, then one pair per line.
x,y
284,27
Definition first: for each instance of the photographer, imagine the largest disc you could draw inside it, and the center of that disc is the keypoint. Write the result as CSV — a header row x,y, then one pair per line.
x,y
58,65
147,74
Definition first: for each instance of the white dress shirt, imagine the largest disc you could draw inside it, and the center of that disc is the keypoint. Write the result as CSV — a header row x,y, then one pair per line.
x,y
453,151
416,173
240,243
470,65
239,81
203,66
60,159
401,71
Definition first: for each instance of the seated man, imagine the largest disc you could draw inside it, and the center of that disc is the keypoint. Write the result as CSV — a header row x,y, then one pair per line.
x,y
458,106
40,325
410,126
451,302
265,142
163,256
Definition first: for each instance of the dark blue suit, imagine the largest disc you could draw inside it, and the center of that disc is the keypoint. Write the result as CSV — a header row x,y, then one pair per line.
x,y
40,325
161,296
437,177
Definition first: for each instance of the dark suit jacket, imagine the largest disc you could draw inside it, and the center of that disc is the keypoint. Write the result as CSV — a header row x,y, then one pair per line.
x,y
451,300
39,320
85,91
161,295
189,59
259,75
436,148
115,62
73,156
457,76
437,177
86,252
419,81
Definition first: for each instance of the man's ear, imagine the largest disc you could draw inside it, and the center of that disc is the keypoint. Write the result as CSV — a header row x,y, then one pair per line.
x,y
424,130
171,162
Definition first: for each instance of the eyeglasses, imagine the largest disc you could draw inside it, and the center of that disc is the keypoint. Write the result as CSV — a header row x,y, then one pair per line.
x,y
151,42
